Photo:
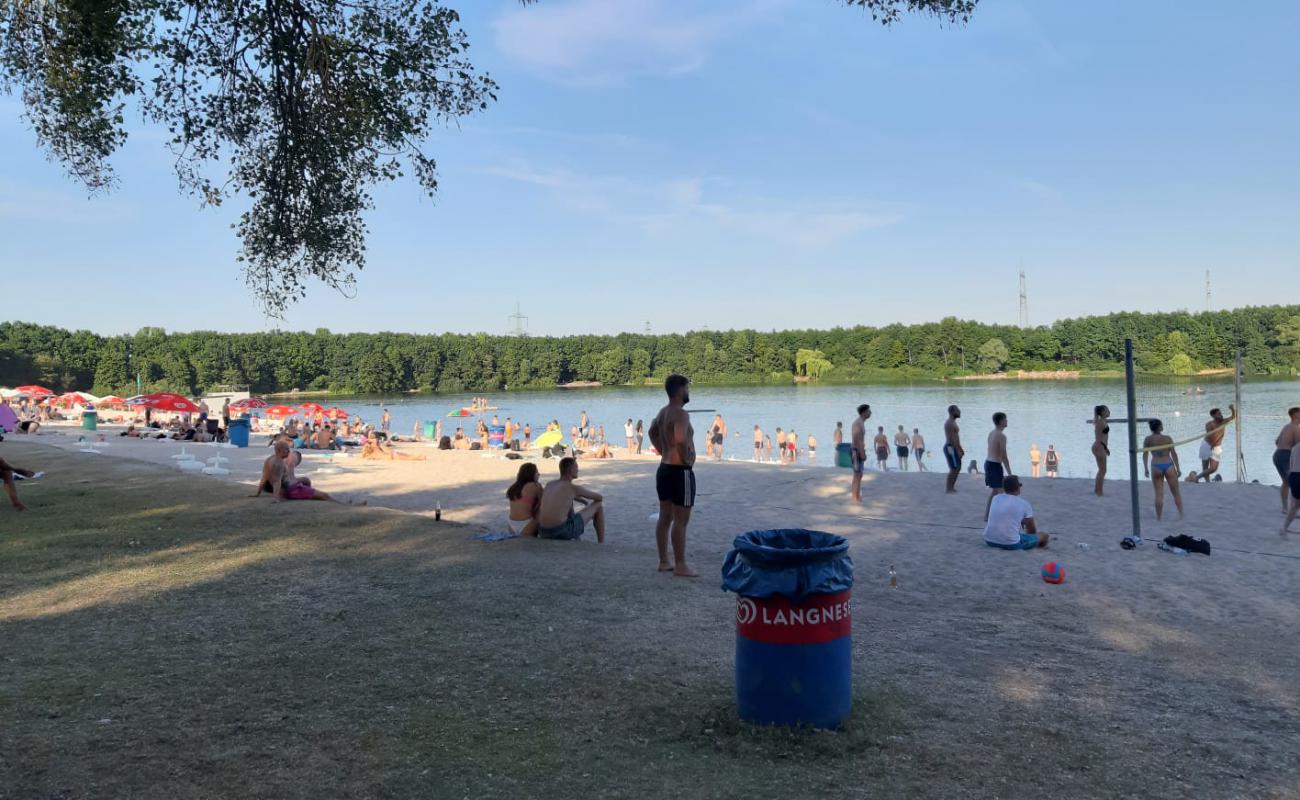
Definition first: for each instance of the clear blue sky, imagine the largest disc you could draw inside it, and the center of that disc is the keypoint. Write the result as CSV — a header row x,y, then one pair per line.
x,y
759,163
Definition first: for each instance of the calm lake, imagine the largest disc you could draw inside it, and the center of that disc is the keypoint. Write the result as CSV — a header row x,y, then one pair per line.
x,y
1042,412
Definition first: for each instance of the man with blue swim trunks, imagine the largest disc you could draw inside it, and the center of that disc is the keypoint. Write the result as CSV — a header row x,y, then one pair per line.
x,y
1011,523
953,452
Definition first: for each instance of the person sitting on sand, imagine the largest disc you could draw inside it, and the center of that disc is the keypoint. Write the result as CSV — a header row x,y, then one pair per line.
x,y
323,439
459,440
375,451
556,517
28,426
1160,458
973,468
130,431
1011,523
525,497
7,473
278,478
602,451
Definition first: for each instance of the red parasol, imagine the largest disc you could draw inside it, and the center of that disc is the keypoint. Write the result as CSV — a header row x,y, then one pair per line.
x,y
167,401
73,399
250,402
111,400
35,391
281,411
337,413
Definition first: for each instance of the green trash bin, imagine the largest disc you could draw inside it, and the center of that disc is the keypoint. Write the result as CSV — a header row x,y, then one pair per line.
x,y
89,420
429,428
844,455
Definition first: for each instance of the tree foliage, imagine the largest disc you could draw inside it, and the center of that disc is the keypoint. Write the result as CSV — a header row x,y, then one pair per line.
x,y
1172,343
298,107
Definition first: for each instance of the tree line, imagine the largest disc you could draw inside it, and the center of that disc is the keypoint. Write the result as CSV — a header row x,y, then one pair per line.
x,y
1177,343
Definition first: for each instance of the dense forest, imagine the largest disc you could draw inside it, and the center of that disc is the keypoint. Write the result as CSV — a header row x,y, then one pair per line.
x,y
1177,343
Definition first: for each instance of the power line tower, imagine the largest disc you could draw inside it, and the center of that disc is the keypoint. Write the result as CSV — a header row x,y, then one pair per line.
x,y
647,327
518,323
1207,290
1024,302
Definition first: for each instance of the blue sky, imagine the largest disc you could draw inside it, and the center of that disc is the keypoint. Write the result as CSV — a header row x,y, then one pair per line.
x,y
759,163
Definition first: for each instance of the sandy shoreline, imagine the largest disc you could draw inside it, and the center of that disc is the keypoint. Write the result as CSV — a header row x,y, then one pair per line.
x,y
741,495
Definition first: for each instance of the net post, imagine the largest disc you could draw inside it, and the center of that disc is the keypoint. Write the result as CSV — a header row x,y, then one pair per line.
x,y
1236,376
1131,393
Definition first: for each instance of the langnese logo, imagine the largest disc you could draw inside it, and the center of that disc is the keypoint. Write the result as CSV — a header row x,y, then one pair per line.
x,y
746,611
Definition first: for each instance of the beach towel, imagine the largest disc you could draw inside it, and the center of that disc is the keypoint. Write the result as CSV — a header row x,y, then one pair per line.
x,y
494,537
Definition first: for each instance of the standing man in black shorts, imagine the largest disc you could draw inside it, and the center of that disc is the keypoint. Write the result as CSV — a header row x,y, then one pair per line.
x,y
672,435
997,465
859,449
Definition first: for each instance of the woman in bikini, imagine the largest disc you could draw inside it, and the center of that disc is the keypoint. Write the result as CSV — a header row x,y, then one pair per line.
x,y
1100,444
1160,463
525,496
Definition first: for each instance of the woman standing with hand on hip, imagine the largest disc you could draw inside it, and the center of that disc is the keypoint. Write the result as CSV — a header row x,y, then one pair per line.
x,y
1100,444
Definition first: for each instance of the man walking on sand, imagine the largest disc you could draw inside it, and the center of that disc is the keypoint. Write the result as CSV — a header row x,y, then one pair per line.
x,y
881,443
918,450
997,464
953,452
556,518
1212,444
858,434
672,435
1287,439
758,444
901,443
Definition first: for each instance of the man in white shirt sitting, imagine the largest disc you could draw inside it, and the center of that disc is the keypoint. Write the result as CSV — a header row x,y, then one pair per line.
x,y
1011,520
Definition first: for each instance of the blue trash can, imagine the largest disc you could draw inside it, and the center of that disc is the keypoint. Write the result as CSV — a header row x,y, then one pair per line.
x,y
238,432
794,645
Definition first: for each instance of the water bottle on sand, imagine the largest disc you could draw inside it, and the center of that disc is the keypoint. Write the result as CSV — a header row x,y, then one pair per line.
x,y
437,511
893,577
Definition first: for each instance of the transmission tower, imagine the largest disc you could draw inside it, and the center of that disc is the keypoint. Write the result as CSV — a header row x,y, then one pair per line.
x,y
647,327
1207,290
518,323
1024,302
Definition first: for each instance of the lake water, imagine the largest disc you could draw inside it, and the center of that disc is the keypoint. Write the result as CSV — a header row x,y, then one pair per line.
x,y
1042,412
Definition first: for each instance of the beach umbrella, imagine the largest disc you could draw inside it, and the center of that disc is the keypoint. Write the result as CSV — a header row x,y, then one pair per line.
x,y
138,400
311,408
460,412
75,399
281,411
337,413
549,438
9,394
111,400
8,419
250,402
34,391
168,401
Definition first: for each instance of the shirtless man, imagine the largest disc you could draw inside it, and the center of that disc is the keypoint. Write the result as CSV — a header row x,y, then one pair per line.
x,y
881,443
812,449
758,443
953,452
278,479
837,438
780,445
858,449
7,473
997,465
556,518
672,435
1212,444
918,450
718,432
901,444
1286,440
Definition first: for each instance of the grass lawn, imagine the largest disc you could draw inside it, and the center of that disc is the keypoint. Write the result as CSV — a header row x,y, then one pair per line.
x,y
164,637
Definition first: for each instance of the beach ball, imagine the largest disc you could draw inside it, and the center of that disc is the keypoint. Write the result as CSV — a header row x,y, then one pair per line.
x,y
1053,572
